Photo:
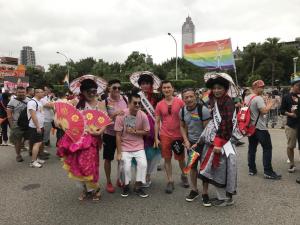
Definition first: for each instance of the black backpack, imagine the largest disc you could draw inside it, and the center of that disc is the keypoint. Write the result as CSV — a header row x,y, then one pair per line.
x,y
199,109
23,120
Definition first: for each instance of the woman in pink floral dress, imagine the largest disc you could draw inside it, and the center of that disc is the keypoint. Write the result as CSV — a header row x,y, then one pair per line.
x,y
81,159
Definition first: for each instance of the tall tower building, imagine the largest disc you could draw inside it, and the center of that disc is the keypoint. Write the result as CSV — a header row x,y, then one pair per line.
x,y
27,56
188,33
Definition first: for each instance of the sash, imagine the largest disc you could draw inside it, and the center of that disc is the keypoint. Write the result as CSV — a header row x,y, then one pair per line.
x,y
147,105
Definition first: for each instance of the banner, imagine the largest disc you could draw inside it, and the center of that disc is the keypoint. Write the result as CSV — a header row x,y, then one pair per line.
x,y
11,83
12,71
211,54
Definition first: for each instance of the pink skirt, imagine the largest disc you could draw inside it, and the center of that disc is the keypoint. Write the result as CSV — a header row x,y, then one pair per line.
x,y
81,159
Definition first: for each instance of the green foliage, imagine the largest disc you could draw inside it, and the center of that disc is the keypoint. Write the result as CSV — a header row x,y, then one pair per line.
x,y
182,84
252,78
270,59
126,87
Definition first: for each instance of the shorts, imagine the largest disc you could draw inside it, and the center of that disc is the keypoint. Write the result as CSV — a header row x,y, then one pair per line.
x,y
291,136
35,137
17,134
166,151
109,146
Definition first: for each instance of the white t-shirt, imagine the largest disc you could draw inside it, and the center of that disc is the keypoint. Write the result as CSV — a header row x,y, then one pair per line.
x,y
37,106
49,114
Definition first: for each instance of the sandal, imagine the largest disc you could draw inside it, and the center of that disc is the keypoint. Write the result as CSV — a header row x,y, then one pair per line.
x,y
96,195
83,195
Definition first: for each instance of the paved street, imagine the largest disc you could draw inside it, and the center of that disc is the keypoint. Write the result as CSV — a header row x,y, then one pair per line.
x,y
48,196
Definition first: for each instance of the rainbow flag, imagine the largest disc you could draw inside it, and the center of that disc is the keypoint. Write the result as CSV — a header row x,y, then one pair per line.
x,y
192,157
211,54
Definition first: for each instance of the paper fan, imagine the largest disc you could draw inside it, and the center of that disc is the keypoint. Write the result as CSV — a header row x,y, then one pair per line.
x,y
96,119
69,119
75,84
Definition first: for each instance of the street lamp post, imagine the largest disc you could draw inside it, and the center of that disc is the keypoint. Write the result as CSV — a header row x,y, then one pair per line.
x,y
295,59
176,54
68,60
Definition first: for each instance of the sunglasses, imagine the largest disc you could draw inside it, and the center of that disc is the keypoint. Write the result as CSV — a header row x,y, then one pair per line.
x,y
137,103
116,88
92,91
170,109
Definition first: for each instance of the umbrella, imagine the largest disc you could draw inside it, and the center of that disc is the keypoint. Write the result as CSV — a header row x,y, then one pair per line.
x,y
233,89
135,77
75,84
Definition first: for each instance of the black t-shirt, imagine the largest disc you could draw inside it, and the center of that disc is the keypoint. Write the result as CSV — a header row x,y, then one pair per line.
x,y
286,106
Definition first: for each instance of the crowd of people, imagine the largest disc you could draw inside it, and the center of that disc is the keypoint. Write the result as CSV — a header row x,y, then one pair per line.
x,y
147,127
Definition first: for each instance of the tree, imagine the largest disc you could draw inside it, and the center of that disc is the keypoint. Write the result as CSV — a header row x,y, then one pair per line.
x,y
101,68
84,66
56,74
136,62
271,51
36,76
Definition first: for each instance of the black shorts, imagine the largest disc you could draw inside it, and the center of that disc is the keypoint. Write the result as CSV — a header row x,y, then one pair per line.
x,y
109,147
35,137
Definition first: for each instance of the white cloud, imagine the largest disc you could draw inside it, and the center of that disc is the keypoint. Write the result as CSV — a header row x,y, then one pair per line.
x,y
113,29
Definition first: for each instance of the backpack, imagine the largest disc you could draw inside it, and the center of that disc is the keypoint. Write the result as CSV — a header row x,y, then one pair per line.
x,y
244,120
199,109
23,120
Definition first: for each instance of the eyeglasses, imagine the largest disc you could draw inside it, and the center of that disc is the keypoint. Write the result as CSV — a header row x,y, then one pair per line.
x,y
170,109
137,103
116,88
92,91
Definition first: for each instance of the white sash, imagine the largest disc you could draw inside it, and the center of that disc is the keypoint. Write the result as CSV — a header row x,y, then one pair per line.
x,y
147,105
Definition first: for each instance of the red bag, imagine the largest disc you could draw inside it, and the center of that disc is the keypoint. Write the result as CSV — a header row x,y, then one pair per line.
x,y
244,120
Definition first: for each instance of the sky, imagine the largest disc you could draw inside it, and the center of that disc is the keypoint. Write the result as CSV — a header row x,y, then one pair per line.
x,y
112,29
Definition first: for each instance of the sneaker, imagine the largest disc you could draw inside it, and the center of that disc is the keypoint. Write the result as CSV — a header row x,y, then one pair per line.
x,y
192,196
223,203
35,164
140,192
252,172
110,188
147,184
229,202
43,157
170,188
4,143
44,153
19,158
288,161
298,180
125,191
40,161
184,181
159,168
292,169
272,175
205,201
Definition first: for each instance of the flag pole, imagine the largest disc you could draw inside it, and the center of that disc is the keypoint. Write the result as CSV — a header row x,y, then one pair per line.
x,y
234,67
